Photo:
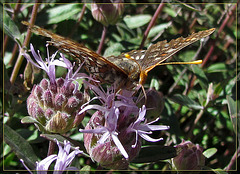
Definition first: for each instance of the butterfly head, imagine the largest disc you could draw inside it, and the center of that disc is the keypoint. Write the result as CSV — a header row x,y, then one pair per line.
x,y
143,77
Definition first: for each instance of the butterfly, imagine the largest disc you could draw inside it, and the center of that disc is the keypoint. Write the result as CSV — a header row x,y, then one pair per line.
x,y
127,69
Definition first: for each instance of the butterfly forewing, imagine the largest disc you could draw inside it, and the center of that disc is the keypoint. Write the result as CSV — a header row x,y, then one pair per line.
x,y
161,51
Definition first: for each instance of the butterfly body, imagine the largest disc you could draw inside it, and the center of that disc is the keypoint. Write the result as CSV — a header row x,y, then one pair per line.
x,y
127,69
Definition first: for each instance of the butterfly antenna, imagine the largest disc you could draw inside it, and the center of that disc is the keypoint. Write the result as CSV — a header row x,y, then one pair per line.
x,y
145,95
182,63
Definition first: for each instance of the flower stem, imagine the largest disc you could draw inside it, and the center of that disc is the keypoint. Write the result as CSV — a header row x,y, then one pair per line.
x,y
26,42
211,49
104,32
78,21
51,148
233,160
152,22
6,39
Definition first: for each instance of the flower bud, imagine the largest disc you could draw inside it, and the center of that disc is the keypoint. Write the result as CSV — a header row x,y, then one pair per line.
x,y
78,119
38,92
60,82
60,101
44,84
190,156
47,98
154,103
72,104
56,110
107,13
49,113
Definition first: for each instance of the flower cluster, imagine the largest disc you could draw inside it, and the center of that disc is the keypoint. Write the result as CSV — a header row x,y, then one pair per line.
x,y
114,133
55,103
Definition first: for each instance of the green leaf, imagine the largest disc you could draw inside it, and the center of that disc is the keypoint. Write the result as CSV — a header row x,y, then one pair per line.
x,y
209,152
9,27
28,119
219,171
185,56
155,153
190,7
232,107
157,29
20,146
137,20
62,13
124,31
114,49
85,170
219,88
154,84
34,136
185,101
202,78
170,11
217,67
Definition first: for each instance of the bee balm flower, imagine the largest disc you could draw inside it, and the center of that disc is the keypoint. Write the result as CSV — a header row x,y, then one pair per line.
x,y
55,104
114,133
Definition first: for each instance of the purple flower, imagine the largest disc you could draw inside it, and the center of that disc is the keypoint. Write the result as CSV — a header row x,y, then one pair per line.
x,y
48,66
72,76
109,131
63,160
110,99
110,109
145,128
50,62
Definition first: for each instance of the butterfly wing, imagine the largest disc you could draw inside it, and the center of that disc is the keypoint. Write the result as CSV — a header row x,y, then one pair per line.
x,y
161,51
95,64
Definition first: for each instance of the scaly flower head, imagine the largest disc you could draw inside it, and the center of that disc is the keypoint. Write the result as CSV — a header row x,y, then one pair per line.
x,y
55,103
112,134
